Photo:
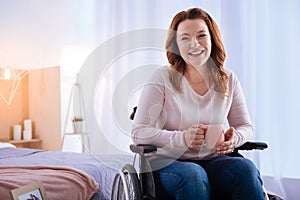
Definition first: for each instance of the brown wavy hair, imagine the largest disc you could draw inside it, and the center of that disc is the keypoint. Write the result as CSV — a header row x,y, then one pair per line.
x,y
218,55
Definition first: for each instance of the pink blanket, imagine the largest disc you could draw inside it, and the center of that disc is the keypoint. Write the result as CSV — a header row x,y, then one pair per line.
x,y
59,182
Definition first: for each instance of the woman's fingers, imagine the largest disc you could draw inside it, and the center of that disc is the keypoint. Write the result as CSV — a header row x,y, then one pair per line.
x,y
199,136
230,142
229,133
194,137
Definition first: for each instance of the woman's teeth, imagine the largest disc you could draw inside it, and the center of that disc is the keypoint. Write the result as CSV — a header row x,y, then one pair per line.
x,y
196,52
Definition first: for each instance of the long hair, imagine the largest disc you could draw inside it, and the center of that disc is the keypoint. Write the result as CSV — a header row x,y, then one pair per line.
x,y
218,55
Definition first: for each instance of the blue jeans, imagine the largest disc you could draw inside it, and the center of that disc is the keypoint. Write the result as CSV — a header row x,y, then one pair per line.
x,y
222,177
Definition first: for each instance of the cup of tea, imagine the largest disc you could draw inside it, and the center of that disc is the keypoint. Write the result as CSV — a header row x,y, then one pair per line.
x,y
214,135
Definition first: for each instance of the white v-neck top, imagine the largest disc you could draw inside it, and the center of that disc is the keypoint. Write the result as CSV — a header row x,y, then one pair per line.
x,y
164,114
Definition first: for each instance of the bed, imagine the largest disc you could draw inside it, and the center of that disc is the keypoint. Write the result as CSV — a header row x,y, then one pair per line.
x,y
65,175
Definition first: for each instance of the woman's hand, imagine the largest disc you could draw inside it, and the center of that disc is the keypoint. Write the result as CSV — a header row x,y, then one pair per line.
x,y
194,136
229,144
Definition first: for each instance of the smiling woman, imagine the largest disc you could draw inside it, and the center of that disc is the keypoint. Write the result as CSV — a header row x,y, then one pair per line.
x,y
178,121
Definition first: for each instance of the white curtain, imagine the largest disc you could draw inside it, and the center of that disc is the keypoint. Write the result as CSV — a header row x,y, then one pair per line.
x,y
262,42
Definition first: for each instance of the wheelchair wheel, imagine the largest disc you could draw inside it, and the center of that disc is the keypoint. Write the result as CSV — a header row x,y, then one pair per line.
x,y
126,185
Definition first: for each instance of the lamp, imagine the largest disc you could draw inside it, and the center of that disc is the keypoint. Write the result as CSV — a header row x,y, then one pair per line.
x,y
6,74
11,77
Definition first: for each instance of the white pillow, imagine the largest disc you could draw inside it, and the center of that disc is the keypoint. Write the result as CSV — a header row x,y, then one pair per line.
x,y
5,144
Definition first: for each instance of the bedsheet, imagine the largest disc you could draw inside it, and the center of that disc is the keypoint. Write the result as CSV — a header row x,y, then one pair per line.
x,y
101,167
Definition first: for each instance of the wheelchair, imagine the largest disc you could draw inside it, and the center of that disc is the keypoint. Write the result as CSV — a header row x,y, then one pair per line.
x,y
132,184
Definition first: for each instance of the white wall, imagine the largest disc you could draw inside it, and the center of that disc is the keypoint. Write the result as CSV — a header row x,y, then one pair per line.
x,y
33,33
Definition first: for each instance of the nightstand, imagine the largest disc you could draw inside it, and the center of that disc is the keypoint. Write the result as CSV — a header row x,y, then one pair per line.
x,y
33,143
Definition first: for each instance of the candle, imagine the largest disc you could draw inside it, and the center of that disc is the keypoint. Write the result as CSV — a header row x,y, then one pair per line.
x,y
17,132
27,134
27,124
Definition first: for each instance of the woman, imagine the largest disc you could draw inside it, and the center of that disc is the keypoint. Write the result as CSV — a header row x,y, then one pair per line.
x,y
178,109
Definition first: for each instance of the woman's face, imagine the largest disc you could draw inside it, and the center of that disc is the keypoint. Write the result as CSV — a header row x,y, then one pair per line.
x,y
194,42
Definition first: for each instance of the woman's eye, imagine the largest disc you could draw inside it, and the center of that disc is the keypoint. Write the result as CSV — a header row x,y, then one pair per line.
x,y
202,35
184,38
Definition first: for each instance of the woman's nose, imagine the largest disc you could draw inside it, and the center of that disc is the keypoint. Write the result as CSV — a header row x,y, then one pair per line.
x,y
194,42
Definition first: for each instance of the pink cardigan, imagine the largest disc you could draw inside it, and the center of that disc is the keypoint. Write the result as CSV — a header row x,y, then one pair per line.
x,y
164,114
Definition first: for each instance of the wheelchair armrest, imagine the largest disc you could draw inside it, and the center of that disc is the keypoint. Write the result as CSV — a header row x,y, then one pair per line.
x,y
142,148
146,148
253,145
